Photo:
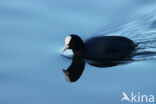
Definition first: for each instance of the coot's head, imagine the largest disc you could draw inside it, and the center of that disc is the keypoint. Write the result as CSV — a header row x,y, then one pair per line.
x,y
73,42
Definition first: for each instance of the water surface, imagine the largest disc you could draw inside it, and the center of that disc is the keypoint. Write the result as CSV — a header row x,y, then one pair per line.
x,y
32,35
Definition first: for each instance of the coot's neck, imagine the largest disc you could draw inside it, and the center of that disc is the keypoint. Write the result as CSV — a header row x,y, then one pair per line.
x,y
79,52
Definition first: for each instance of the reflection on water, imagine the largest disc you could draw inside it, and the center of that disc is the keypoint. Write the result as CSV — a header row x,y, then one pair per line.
x,y
75,70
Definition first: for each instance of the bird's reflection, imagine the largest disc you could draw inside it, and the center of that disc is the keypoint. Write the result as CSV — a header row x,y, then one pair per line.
x,y
75,70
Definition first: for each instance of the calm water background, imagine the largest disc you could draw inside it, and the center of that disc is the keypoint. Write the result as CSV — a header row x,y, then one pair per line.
x,y
32,35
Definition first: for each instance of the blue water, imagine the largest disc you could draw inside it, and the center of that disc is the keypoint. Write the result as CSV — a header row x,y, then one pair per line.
x,y
32,35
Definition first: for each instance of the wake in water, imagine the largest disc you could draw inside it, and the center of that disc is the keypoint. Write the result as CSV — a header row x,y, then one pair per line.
x,y
141,29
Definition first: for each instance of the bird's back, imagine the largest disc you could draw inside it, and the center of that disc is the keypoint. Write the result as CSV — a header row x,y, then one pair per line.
x,y
108,47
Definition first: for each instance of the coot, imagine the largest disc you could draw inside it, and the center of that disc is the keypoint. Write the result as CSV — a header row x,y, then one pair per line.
x,y
100,48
